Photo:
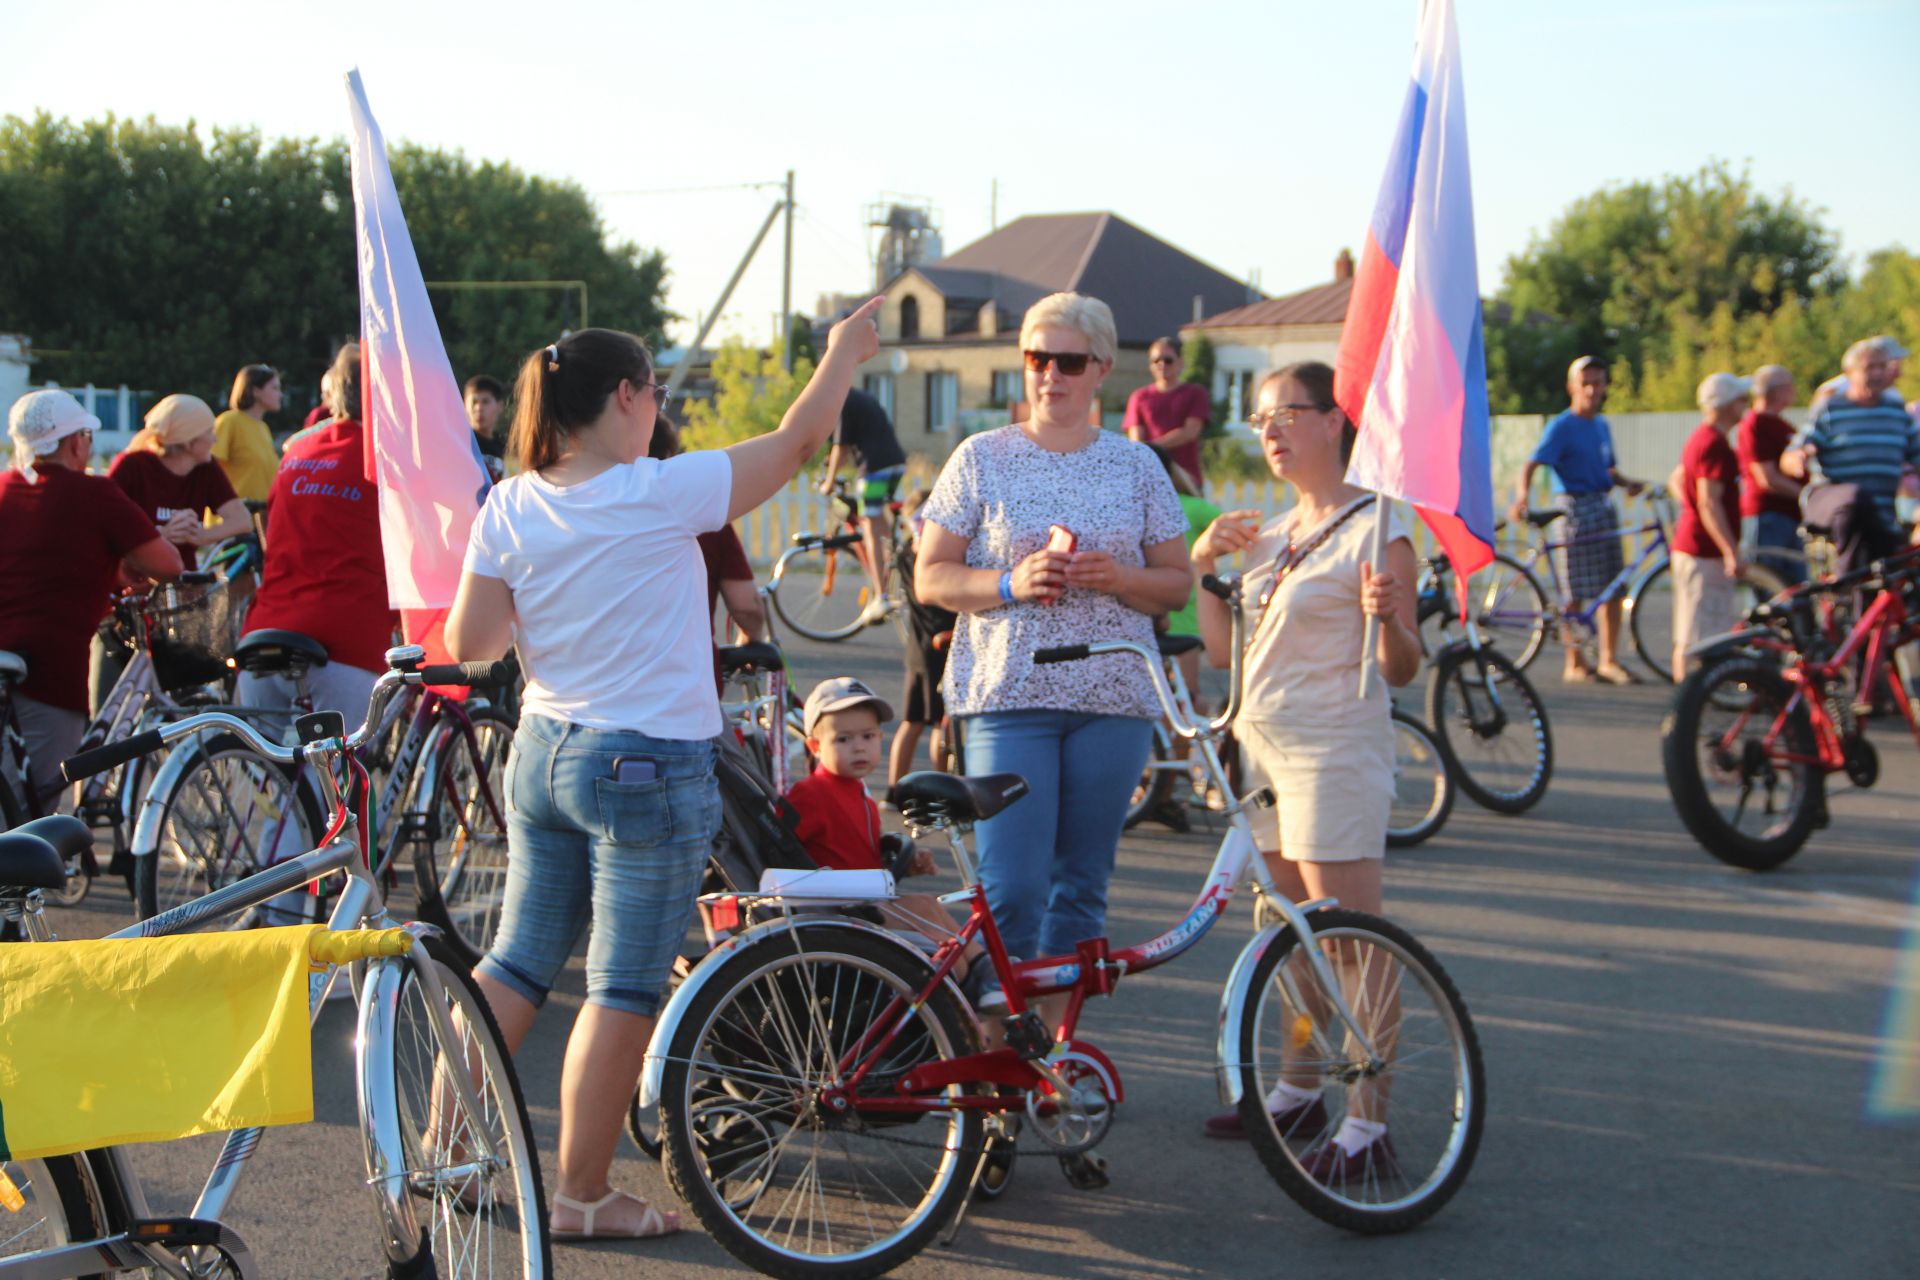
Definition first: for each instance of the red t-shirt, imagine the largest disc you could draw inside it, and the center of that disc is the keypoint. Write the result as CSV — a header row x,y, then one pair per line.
x,y
726,561
839,822
1164,412
1762,437
325,576
61,542
160,493
1707,456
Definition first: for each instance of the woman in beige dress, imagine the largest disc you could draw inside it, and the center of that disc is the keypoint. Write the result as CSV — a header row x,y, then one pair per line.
x,y
1304,729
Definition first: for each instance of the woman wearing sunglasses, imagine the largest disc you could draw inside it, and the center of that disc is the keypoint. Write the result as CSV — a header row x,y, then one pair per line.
x,y
1309,589
1078,732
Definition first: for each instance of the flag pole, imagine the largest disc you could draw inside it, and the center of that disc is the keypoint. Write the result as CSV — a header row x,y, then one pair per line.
x,y
1379,558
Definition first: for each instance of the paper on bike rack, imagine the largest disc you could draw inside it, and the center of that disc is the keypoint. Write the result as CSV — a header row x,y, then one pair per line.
x,y
828,885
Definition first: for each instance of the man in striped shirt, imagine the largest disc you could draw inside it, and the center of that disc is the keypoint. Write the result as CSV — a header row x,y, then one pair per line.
x,y
1865,439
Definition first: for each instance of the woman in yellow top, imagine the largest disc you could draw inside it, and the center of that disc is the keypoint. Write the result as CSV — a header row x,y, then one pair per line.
x,y
242,443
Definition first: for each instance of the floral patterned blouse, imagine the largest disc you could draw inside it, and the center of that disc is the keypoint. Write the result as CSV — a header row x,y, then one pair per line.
x,y
1001,491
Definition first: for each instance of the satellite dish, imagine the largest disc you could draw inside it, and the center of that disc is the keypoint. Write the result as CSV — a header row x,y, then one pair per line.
x,y
897,361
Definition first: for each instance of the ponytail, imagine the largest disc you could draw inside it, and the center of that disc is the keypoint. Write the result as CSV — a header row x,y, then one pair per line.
x,y
564,386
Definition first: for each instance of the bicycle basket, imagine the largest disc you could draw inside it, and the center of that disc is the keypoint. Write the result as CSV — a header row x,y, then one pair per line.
x,y
191,630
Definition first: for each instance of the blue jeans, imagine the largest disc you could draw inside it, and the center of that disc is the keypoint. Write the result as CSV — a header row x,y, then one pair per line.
x,y
1045,861
630,854
1777,529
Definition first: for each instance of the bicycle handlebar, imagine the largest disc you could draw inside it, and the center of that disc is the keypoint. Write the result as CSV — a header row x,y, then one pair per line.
x,y
464,673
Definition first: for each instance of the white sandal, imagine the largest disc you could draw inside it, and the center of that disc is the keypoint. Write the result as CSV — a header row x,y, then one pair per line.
x,y
653,1222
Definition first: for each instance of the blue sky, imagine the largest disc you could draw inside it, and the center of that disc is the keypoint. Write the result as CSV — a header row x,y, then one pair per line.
x,y
1250,134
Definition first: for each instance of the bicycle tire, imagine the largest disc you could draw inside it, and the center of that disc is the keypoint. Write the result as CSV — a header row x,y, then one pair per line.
x,y
1422,807
722,1156
1155,787
460,857
154,890
1469,717
828,603
1758,584
65,1204
1689,757
1510,610
1441,1141
436,1169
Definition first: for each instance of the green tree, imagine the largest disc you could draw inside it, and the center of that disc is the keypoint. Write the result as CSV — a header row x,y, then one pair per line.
x,y
140,252
751,394
800,339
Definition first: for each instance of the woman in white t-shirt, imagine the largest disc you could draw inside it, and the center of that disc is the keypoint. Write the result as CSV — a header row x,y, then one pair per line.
x,y
586,564
1303,729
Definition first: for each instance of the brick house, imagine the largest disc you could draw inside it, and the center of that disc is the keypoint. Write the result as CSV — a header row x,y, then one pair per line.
x,y
1250,340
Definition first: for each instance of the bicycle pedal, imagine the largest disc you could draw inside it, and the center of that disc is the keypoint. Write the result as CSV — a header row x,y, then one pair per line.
x,y
1027,1035
177,1233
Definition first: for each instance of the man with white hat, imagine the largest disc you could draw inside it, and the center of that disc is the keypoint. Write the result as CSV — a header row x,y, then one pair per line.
x,y
1706,537
64,536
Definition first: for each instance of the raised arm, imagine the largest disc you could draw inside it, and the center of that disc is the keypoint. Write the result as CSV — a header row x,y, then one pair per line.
x,y
763,465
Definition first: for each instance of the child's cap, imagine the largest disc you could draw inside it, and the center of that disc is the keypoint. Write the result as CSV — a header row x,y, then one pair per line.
x,y
842,693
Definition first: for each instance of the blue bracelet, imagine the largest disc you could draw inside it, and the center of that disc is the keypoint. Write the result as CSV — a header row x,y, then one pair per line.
x,y
1006,587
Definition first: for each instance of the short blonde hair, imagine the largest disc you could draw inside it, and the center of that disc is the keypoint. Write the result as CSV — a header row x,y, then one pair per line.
x,y
1089,317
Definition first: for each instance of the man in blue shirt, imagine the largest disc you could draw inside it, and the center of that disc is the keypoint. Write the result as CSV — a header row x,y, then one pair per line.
x,y
1578,446
1863,440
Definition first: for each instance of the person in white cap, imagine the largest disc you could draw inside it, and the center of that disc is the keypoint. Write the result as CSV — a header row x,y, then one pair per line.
x,y
64,536
1706,537
168,469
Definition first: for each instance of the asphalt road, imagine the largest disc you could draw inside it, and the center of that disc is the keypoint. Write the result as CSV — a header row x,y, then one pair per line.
x,y
1679,1059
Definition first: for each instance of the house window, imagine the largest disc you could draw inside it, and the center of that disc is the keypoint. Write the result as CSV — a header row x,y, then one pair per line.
x,y
880,387
943,401
1008,386
909,318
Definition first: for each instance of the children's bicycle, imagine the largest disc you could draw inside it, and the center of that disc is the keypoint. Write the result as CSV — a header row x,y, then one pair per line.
x,y
449,1151
827,1105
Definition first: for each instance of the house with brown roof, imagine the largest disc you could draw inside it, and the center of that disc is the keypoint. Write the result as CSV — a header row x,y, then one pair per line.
x,y
1250,340
950,329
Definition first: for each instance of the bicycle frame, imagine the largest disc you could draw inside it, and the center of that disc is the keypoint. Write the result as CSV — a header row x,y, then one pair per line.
x,y
1644,561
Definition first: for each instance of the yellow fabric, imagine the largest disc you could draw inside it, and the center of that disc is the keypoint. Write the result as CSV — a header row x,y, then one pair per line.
x,y
151,1039
243,446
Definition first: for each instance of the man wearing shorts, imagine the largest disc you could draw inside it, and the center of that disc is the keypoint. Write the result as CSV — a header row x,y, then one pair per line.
x,y
1578,445
866,431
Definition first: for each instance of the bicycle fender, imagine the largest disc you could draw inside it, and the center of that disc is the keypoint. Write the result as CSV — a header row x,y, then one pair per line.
x,y
1726,641
676,1007
1233,999
146,827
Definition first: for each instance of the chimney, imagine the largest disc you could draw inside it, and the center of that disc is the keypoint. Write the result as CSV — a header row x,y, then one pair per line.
x,y
1343,267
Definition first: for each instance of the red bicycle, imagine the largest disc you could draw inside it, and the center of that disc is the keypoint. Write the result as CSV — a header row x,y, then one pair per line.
x,y
1776,708
827,1102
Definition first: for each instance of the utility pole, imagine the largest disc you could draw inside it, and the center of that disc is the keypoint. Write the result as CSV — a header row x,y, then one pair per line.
x,y
993,215
786,288
706,326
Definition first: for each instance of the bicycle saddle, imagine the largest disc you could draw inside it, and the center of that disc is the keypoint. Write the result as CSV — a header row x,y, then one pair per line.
x,y
1174,646
12,666
1541,517
961,799
267,651
28,862
756,655
69,836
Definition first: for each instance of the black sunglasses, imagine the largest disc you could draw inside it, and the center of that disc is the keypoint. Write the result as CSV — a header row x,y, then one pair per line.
x,y
1072,363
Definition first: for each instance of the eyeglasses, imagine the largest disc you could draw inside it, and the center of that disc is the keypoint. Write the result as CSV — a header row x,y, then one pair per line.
x,y
659,389
1284,416
1164,360
1072,363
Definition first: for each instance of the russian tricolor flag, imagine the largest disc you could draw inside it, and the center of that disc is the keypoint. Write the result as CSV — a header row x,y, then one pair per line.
x,y
1412,370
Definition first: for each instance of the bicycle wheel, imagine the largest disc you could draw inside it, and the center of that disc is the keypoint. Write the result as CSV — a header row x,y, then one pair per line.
x,y
64,1205
229,813
1155,787
1742,772
448,1211
1422,788
822,592
1508,607
1491,728
460,869
789,1176
1429,1088
1650,619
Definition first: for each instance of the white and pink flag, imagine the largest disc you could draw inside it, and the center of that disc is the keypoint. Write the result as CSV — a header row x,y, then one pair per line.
x,y
420,450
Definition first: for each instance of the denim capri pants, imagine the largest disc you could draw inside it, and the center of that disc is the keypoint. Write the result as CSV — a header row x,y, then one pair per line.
x,y
628,854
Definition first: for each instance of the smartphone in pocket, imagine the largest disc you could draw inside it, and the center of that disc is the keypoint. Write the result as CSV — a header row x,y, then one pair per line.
x,y
629,769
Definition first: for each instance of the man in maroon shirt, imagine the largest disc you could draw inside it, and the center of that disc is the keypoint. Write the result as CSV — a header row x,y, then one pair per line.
x,y
64,536
1170,414
1706,547
1769,498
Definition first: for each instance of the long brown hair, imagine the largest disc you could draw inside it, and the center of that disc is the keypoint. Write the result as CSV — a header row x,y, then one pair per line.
x,y
248,381
343,389
565,386
1316,378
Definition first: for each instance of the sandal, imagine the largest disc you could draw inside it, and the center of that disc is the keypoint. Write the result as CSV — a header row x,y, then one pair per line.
x,y
1616,675
1577,675
653,1222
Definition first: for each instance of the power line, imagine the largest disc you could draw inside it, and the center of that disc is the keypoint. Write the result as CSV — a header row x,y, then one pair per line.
x,y
690,191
